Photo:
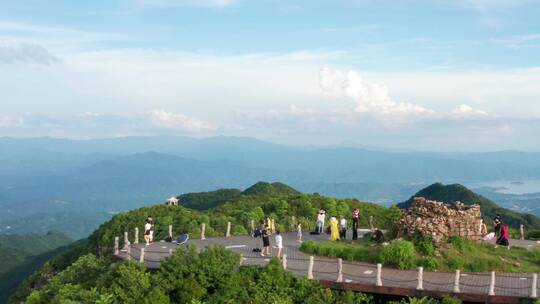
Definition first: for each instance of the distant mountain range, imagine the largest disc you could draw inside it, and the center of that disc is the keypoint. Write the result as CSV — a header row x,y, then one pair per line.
x,y
44,183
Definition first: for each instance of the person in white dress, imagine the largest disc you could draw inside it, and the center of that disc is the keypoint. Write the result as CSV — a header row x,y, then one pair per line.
x,y
279,244
299,233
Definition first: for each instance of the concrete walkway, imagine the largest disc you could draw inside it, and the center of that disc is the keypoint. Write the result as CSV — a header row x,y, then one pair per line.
x,y
511,286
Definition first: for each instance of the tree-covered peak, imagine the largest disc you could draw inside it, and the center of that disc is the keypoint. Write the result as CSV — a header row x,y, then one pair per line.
x,y
270,188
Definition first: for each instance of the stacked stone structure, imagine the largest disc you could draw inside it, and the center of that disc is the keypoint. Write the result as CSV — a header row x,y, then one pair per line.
x,y
440,220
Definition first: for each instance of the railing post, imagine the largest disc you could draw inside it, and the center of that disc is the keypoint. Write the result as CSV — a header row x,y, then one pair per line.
x,y
203,229
128,252
228,234
284,261
340,271
521,232
534,285
116,245
136,240
170,232
456,281
492,284
141,258
126,240
170,252
310,268
371,222
420,285
378,281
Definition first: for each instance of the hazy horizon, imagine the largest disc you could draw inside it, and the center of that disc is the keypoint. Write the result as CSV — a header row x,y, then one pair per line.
x,y
460,75
292,145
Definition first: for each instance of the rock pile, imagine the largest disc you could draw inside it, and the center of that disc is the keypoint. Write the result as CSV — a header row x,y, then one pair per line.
x,y
440,220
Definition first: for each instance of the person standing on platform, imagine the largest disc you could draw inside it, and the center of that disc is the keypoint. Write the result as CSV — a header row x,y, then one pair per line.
x,y
334,229
299,233
342,227
279,244
320,221
266,241
147,231
355,220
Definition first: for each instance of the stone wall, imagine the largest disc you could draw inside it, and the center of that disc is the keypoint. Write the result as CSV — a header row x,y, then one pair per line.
x,y
440,220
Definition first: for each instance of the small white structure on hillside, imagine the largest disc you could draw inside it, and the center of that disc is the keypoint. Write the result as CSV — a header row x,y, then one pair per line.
x,y
172,201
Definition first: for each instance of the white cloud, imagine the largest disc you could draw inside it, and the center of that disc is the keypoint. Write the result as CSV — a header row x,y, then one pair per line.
x,y
370,97
25,52
179,121
465,110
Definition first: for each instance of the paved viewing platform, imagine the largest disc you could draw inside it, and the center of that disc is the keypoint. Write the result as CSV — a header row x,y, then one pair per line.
x,y
488,287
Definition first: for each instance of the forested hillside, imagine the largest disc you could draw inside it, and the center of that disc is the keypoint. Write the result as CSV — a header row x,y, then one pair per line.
x,y
20,255
278,201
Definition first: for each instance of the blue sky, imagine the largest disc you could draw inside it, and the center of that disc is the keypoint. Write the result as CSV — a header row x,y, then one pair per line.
x,y
427,75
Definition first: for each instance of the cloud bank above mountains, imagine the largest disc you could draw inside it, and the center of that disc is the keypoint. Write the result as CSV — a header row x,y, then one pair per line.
x,y
63,82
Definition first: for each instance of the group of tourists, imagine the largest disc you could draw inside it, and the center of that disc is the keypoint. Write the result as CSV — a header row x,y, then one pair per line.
x,y
338,228
265,232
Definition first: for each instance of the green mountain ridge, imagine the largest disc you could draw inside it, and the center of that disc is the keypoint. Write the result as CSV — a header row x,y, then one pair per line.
x,y
456,192
271,189
20,255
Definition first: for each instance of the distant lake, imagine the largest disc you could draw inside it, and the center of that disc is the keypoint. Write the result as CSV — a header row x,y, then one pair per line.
x,y
511,187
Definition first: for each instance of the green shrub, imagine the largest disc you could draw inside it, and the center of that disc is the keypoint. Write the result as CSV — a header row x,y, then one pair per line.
x,y
308,246
533,235
430,263
455,263
239,230
457,242
399,253
348,254
409,300
424,244
450,300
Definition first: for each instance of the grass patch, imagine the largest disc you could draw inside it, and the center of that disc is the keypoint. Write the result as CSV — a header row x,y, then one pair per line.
x,y
457,253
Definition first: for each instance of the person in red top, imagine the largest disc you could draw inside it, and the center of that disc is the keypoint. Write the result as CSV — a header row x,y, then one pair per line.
x,y
355,219
502,234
